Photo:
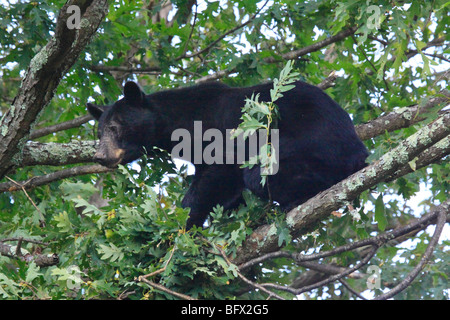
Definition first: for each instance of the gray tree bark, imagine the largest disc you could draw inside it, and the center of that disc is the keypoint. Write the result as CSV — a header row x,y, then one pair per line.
x,y
44,74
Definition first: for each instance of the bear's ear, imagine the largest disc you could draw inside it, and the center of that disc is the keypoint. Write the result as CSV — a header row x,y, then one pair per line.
x,y
133,93
95,111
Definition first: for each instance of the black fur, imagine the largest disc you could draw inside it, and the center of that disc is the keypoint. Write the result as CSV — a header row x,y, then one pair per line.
x,y
318,145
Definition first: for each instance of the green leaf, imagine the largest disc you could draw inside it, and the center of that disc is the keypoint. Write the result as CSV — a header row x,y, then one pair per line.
x,y
32,272
63,222
380,213
110,252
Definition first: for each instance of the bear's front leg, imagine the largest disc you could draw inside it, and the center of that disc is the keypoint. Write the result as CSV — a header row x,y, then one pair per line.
x,y
212,185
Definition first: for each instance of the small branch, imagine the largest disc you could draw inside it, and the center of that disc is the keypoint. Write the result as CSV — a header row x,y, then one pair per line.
x,y
15,252
161,287
316,46
401,118
347,286
41,216
51,177
214,76
102,68
328,81
329,269
333,278
191,33
59,127
159,271
164,289
348,271
288,56
247,281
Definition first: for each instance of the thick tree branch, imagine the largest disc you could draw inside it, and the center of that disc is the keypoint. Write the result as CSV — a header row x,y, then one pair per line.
x,y
299,220
55,154
44,74
430,155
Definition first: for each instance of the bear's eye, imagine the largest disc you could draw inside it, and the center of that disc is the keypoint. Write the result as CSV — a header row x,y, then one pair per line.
x,y
114,130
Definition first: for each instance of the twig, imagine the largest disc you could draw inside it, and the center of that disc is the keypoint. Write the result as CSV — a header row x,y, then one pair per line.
x,y
19,247
347,286
161,287
315,46
329,269
370,62
212,44
154,273
192,31
441,220
164,289
41,216
103,68
27,240
243,278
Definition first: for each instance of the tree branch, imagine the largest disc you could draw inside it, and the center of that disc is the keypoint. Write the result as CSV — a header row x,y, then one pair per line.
x,y
59,127
55,154
51,177
164,289
103,68
316,46
16,252
401,118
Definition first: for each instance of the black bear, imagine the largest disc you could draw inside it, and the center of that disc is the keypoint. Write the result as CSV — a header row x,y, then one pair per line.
x,y
318,145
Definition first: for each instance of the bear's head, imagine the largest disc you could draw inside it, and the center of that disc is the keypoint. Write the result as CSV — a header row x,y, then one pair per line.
x,y
125,128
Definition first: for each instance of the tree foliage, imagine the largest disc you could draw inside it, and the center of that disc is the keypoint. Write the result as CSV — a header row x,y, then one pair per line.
x,y
70,229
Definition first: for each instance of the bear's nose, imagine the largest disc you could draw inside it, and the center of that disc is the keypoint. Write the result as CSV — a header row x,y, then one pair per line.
x,y
100,157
